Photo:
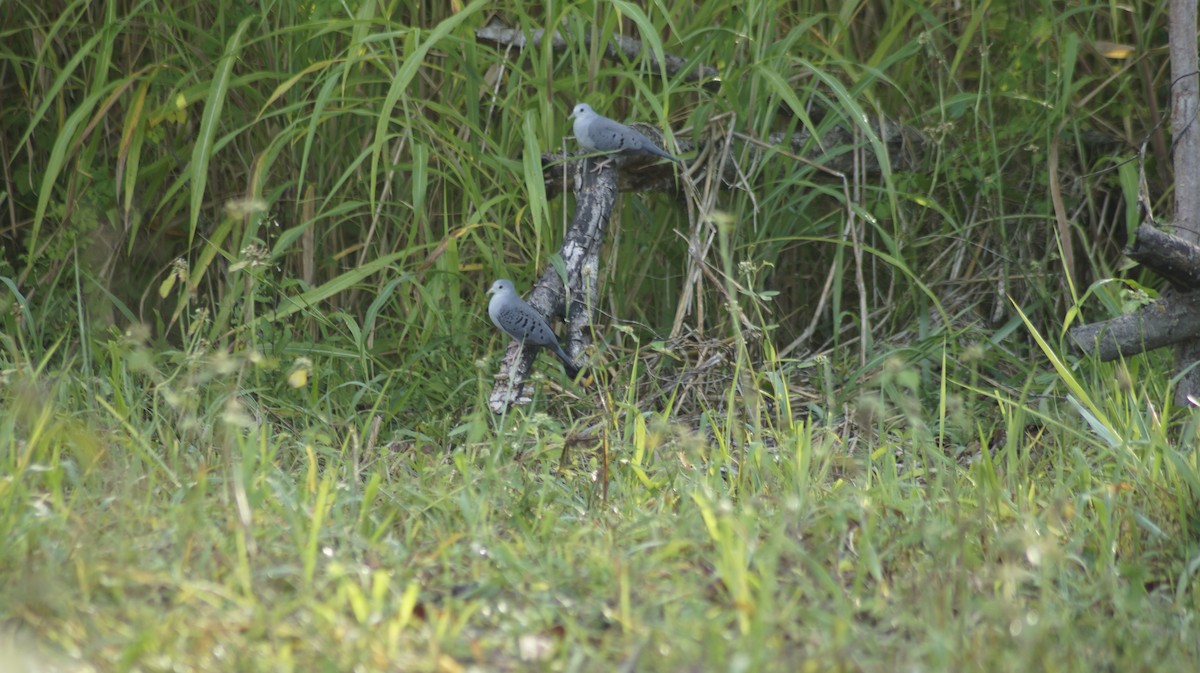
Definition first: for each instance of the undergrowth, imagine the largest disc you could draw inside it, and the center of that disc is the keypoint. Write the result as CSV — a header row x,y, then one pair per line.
x,y
245,365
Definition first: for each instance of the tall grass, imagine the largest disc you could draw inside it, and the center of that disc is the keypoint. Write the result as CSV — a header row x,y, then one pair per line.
x,y
244,363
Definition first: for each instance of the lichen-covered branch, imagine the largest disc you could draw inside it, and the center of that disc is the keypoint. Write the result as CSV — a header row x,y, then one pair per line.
x,y
595,196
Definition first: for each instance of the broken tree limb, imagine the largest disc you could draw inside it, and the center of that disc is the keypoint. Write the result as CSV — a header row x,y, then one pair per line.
x,y
595,195
1172,319
618,48
1169,256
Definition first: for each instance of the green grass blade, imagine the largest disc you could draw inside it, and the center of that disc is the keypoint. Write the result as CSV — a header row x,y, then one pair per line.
x,y
202,151
1097,418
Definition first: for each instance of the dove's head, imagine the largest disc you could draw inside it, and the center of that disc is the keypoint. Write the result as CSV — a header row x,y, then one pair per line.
x,y
582,110
501,286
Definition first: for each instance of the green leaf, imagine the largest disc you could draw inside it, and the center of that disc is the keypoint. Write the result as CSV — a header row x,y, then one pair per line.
x,y
65,139
202,150
337,285
414,56
1095,418
531,162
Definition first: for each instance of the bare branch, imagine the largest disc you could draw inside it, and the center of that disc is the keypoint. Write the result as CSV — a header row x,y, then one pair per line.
x,y
1185,129
1169,256
1170,320
618,48
1185,103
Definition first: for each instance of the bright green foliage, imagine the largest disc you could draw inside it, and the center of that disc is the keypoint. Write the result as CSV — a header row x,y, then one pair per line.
x,y
245,361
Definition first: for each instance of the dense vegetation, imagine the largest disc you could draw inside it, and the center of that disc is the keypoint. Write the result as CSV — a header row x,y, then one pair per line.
x,y
244,356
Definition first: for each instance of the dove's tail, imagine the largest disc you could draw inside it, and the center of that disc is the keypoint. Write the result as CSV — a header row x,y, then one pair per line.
x,y
662,153
569,367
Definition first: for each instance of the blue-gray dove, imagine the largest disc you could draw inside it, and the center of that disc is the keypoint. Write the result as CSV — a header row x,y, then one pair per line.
x,y
523,323
598,133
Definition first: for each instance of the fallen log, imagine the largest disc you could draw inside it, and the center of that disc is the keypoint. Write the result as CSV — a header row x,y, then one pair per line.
x,y
1172,319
